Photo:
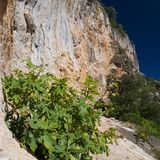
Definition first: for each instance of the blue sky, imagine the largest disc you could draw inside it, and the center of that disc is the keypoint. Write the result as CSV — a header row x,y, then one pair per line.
x,y
141,20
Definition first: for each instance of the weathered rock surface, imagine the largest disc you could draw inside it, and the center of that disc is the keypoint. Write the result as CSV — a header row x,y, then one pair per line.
x,y
125,147
73,37
9,147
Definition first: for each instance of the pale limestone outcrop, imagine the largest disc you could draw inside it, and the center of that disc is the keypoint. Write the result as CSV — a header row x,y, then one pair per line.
x,y
73,37
9,148
126,146
129,48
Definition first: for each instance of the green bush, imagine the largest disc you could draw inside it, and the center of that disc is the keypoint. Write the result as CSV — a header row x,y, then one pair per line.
x,y
135,101
51,119
136,94
145,127
133,118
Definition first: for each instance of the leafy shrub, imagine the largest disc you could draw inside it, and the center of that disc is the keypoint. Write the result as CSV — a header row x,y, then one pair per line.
x,y
136,94
145,127
133,118
135,102
51,119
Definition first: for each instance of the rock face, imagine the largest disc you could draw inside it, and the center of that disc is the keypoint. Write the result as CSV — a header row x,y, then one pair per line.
x,y
73,37
125,147
9,147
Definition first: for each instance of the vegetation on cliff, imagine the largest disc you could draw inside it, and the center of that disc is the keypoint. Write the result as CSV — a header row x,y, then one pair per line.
x,y
136,98
112,14
121,60
51,119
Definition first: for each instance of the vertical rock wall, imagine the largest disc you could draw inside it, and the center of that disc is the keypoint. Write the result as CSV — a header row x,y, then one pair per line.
x,y
73,37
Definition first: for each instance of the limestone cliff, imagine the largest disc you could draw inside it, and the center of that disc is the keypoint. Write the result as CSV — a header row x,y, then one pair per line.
x,y
73,37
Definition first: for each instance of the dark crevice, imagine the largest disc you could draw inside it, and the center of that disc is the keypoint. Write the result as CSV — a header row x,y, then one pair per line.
x,y
3,8
30,23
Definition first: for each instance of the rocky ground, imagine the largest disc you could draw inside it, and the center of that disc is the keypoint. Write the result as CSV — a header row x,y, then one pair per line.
x,y
124,148
9,147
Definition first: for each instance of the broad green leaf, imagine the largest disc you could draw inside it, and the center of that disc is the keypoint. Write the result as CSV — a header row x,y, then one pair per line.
x,y
48,142
32,144
72,157
33,124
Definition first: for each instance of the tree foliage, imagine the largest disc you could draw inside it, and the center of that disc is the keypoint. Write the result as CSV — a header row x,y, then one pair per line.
x,y
137,94
136,98
51,119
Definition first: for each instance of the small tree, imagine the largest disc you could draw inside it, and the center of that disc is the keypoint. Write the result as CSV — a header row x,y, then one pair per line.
x,y
51,119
